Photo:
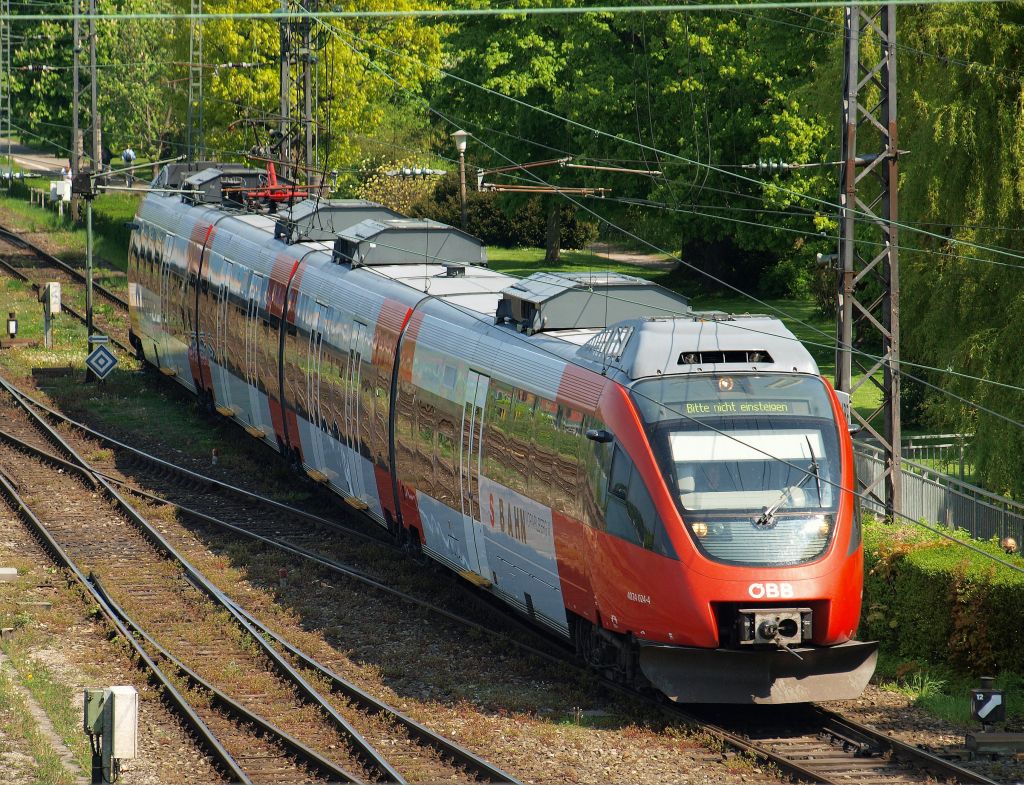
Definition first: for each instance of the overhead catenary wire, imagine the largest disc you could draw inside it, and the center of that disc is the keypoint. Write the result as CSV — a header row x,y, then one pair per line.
x,y
449,12
739,440
936,235
705,273
864,354
833,206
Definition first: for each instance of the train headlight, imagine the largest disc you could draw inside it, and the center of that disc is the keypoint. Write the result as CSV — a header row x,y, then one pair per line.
x,y
700,529
725,384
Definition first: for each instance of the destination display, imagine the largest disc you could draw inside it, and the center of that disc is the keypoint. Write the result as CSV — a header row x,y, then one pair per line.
x,y
699,408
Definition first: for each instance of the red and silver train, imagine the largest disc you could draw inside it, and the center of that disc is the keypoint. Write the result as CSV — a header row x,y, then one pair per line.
x,y
669,489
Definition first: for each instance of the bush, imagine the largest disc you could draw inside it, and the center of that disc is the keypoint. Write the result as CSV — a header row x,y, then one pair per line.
x,y
501,220
928,598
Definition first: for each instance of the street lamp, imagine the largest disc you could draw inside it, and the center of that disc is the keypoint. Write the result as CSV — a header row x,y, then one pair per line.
x,y
460,138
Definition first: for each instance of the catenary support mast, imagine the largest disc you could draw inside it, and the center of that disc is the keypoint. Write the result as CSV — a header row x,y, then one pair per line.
x,y
869,289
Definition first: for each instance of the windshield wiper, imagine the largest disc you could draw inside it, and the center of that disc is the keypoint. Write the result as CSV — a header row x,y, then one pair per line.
x,y
767,517
814,467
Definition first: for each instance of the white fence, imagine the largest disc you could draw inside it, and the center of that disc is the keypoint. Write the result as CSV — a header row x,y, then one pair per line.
x,y
939,498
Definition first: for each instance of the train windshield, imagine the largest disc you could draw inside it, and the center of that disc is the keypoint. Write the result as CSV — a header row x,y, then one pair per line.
x,y
752,460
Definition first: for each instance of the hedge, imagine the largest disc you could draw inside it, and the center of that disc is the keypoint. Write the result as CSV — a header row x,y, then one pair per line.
x,y
509,221
927,598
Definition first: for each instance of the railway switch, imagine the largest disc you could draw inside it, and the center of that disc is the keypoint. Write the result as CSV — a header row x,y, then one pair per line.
x,y
111,720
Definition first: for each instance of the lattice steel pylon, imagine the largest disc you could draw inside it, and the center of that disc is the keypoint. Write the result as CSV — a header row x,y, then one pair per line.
x,y
296,70
196,140
869,289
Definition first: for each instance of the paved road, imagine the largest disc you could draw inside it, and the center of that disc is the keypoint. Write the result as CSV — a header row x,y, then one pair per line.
x,y
32,160
619,254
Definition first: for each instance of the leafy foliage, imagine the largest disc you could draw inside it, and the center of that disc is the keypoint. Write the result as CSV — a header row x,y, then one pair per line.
x,y
927,598
519,224
963,124
699,92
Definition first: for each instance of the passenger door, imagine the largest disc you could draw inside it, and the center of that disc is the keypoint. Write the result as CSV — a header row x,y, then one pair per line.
x,y
470,457
222,381
314,357
359,349
252,318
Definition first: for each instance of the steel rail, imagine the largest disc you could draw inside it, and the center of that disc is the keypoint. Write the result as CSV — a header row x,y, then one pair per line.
x,y
933,764
194,475
335,566
340,568
899,750
358,742
9,236
209,741
36,286
789,767
304,753
468,760
125,625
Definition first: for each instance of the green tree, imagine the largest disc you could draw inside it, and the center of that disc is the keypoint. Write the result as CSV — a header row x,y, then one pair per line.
x,y
963,119
711,89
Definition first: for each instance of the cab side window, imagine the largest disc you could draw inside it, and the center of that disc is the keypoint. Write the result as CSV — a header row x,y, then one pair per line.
x,y
631,515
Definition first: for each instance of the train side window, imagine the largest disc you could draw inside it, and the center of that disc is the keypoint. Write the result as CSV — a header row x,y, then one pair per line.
x,y
622,466
597,458
631,514
645,519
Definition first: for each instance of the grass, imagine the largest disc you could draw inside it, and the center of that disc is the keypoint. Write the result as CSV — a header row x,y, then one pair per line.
x,y
57,699
110,213
17,722
945,694
61,704
526,261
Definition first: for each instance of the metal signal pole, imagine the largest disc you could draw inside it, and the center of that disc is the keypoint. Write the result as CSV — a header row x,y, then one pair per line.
x,y
307,95
97,152
76,90
869,286
286,86
5,91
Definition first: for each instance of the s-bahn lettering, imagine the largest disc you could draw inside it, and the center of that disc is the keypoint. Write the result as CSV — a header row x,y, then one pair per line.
x,y
770,591
510,520
515,515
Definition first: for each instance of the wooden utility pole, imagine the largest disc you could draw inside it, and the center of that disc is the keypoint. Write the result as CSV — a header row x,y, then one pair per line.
x,y
869,285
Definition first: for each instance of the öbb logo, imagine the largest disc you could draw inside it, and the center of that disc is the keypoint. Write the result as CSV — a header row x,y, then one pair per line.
x,y
770,591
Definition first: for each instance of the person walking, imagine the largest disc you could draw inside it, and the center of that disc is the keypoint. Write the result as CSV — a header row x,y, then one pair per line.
x,y
128,156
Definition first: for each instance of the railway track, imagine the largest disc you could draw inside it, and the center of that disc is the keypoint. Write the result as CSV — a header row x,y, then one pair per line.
x,y
268,716
30,263
306,533
817,746
806,743
814,744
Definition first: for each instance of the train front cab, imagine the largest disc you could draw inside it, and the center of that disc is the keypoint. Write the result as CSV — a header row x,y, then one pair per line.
x,y
729,552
